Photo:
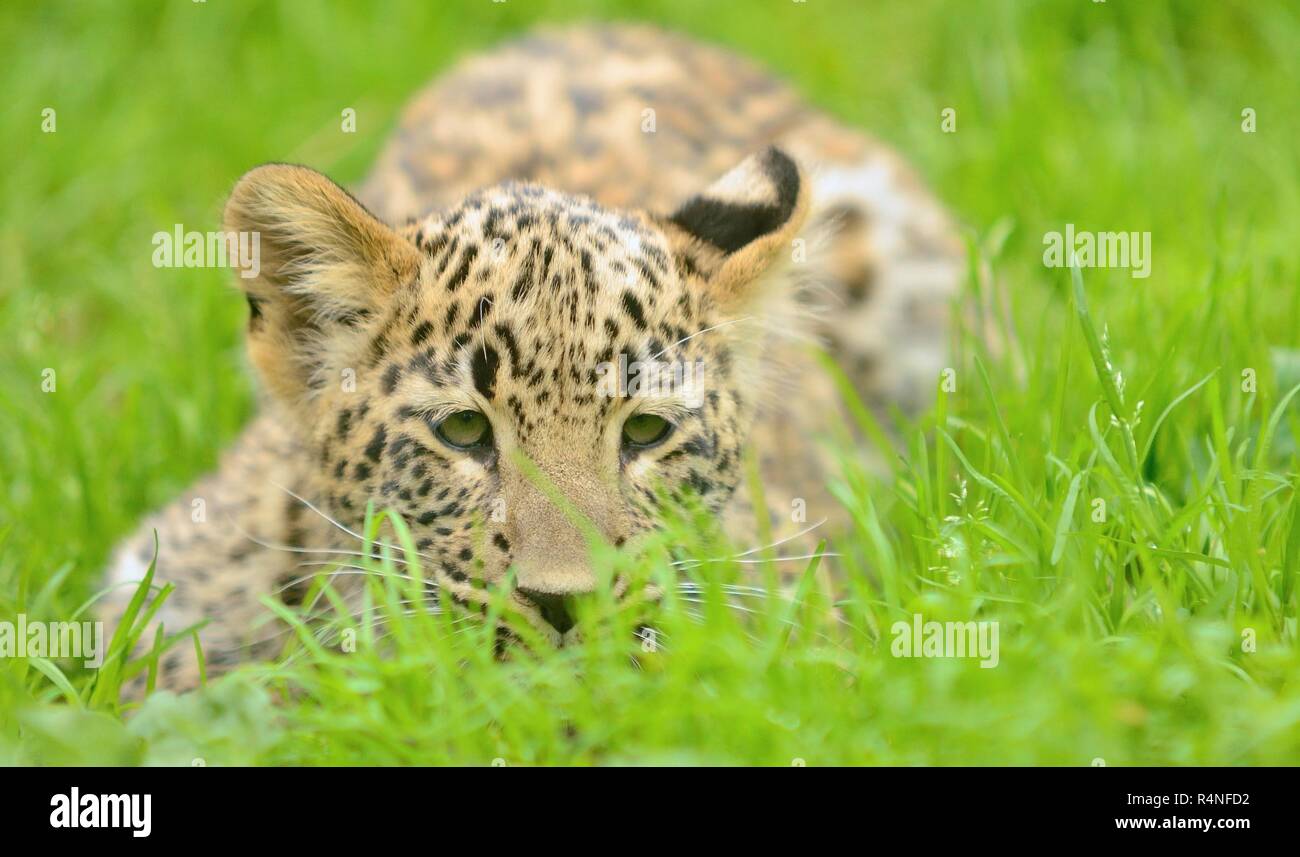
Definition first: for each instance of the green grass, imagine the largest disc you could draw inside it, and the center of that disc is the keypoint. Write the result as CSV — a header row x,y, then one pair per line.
x,y
1121,639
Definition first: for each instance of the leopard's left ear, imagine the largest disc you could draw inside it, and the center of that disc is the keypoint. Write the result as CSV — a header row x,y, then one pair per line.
x,y
734,230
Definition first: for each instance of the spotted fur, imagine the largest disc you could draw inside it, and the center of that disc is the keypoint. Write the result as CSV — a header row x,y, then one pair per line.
x,y
550,225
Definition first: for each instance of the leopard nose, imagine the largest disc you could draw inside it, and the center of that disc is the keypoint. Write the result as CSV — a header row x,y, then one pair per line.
x,y
554,608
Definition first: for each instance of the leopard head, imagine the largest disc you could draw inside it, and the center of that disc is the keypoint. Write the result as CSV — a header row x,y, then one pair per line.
x,y
521,372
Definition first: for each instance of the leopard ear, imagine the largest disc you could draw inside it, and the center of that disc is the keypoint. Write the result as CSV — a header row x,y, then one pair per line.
x,y
324,266
735,229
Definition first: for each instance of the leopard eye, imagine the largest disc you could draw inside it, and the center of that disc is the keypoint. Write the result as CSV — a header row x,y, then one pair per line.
x,y
465,430
645,430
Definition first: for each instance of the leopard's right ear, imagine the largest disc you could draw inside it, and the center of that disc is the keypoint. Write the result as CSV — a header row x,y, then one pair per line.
x,y
322,265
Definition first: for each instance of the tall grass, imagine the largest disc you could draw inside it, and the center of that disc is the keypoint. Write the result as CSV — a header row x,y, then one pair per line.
x,y
1112,479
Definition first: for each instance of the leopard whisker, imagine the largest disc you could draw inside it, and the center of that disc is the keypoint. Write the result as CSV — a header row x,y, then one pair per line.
x,y
294,549
787,558
356,569
738,594
699,332
792,623
338,525
324,614
697,616
333,551
692,563
309,505
431,586
805,531
728,588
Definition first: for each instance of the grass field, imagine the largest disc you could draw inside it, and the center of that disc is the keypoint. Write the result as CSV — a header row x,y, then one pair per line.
x,y
1157,626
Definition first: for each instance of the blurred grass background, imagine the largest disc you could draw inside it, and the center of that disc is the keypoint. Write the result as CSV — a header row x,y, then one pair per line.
x,y
1111,116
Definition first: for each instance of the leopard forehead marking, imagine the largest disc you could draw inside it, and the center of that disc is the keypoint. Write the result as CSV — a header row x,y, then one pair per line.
x,y
525,291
